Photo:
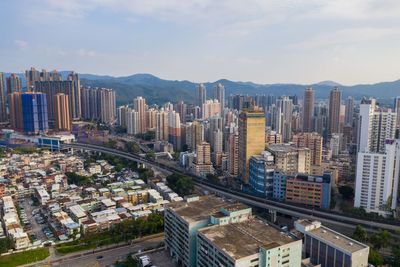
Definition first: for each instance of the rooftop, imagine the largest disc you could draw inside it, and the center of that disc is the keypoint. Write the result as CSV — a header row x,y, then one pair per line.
x,y
197,210
243,239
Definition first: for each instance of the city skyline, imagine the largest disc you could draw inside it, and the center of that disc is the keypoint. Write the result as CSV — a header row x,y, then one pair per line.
x,y
269,42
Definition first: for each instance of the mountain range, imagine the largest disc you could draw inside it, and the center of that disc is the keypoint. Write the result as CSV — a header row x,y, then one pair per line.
x,y
159,91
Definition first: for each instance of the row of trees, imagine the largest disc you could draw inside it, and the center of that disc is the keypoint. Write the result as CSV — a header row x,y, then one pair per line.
x,y
74,178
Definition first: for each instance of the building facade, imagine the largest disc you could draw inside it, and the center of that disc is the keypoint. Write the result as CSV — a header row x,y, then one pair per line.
x,y
34,112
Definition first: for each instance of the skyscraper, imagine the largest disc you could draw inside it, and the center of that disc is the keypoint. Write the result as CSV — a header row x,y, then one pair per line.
x,y
32,76
133,122
375,126
62,112
181,109
308,109
211,108
174,130
335,99
34,112
251,138
108,106
162,125
219,94
233,154
194,134
377,179
15,108
139,105
76,102
284,117
348,117
312,141
200,95
14,84
3,110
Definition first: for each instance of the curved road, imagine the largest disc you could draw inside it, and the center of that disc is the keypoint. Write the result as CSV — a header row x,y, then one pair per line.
x,y
281,207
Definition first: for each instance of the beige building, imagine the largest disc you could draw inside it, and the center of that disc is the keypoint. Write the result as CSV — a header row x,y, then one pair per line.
x,y
313,141
291,160
62,113
251,138
15,109
139,105
211,108
308,109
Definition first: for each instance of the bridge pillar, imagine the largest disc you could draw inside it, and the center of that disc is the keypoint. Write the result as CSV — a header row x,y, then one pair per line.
x,y
272,214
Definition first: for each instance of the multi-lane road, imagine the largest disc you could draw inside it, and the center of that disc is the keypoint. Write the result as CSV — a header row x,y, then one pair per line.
x,y
281,207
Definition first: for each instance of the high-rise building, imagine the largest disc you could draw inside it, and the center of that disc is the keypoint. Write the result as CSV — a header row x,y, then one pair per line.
x,y
162,125
151,119
211,108
284,117
233,154
181,109
62,112
122,114
133,122
203,164
34,112
219,94
174,130
3,109
291,160
14,84
108,106
217,141
194,134
312,141
334,144
335,99
375,126
251,138
348,118
261,173
15,108
32,76
200,95
139,105
325,247
308,109
377,179
397,109
76,94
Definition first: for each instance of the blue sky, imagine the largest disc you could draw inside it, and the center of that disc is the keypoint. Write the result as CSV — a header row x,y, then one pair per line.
x,y
264,41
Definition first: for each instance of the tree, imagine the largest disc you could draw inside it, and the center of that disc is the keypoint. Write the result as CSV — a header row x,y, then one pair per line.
x,y
381,240
374,257
212,177
74,178
180,184
347,192
132,147
396,256
360,234
151,155
6,244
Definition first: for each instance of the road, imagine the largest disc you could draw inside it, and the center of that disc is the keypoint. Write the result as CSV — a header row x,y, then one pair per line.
x,y
282,207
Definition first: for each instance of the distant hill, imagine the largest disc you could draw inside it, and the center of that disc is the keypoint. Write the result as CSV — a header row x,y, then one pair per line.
x,y
157,90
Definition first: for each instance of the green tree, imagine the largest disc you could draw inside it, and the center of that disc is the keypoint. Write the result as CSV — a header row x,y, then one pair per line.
x,y
374,257
132,147
151,155
360,234
212,177
180,184
396,256
6,244
74,178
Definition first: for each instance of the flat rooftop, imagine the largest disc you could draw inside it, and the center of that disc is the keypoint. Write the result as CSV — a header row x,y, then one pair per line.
x,y
198,210
243,239
280,148
337,239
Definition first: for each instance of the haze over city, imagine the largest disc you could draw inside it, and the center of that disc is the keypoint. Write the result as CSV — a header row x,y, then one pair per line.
x,y
306,42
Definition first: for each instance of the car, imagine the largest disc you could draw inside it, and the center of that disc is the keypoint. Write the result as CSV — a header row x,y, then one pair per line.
x,y
99,257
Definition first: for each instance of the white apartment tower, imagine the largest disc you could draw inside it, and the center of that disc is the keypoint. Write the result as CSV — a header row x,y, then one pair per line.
x,y
377,179
375,126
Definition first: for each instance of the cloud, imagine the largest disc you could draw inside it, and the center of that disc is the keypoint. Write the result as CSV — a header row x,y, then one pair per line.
x,y
345,36
22,45
84,53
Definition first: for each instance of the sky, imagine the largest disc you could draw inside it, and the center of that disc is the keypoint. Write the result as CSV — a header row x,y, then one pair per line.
x,y
263,41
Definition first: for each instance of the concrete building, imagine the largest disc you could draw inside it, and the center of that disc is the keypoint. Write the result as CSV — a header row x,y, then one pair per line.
x,y
181,109
151,119
233,154
377,179
133,122
219,94
194,134
14,84
308,109
251,138
309,190
139,105
217,141
76,95
283,120
335,99
200,97
375,126
108,106
174,130
312,141
211,108
31,76
122,115
3,109
15,109
248,243
349,111
289,159
261,173
162,125
203,163
330,248
334,144
62,112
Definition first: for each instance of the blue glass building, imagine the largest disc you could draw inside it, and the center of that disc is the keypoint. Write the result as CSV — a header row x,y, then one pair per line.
x,y
261,174
34,113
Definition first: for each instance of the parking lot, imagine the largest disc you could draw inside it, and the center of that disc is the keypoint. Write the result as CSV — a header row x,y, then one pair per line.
x,y
38,228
